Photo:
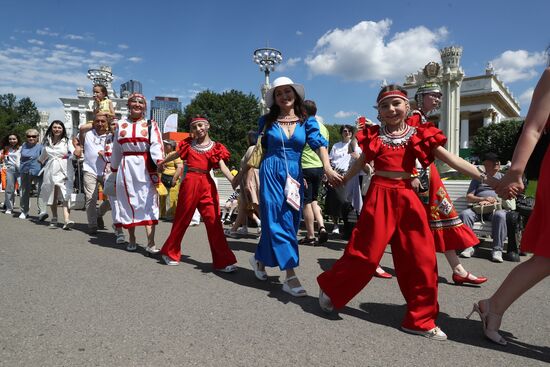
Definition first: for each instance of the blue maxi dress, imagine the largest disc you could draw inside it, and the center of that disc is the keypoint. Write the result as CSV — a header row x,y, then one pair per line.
x,y
278,242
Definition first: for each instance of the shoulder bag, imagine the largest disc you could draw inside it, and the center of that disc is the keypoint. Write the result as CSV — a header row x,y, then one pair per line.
x,y
258,153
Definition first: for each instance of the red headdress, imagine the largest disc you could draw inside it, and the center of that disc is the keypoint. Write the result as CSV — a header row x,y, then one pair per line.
x,y
392,94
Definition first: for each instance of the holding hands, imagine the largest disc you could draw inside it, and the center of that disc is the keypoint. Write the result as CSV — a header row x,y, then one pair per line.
x,y
510,185
334,178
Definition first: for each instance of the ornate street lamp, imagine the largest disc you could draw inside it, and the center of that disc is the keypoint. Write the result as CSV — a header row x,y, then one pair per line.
x,y
266,58
103,76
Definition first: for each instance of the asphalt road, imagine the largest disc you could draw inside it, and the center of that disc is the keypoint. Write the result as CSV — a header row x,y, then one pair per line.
x,y
68,299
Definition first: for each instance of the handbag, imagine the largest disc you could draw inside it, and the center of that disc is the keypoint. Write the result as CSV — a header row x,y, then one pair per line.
x,y
258,153
109,186
292,187
77,201
151,163
167,180
483,209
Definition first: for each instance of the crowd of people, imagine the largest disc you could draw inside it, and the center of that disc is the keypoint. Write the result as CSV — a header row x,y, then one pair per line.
x,y
385,173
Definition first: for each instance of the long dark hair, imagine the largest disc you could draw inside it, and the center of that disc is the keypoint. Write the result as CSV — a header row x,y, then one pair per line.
x,y
274,110
49,132
6,141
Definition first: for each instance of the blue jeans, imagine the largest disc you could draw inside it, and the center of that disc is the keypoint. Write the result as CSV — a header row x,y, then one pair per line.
x,y
498,225
11,178
26,184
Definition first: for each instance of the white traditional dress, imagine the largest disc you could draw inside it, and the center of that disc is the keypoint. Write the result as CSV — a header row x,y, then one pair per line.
x,y
58,170
136,181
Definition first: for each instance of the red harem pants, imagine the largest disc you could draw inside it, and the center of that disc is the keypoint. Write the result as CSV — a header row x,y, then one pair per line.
x,y
391,214
198,190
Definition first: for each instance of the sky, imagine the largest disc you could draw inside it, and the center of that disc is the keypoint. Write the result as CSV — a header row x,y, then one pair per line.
x,y
341,51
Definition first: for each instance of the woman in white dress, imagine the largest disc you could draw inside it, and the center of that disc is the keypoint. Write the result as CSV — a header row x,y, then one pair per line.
x,y
137,149
58,172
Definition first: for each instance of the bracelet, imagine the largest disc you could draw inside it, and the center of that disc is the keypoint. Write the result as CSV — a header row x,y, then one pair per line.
x,y
482,177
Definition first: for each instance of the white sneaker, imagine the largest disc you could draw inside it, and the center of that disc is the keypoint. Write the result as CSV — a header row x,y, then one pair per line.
x,y
467,252
120,238
496,256
434,334
194,224
169,261
42,216
242,230
22,215
336,230
9,212
53,223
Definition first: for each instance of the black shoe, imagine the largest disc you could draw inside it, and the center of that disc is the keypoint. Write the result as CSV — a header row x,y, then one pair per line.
x,y
100,223
323,235
512,256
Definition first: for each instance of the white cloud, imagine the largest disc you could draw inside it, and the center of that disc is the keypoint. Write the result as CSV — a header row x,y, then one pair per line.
x,y
345,114
122,46
517,65
288,64
35,42
525,97
299,33
135,59
46,73
105,58
363,52
73,37
46,32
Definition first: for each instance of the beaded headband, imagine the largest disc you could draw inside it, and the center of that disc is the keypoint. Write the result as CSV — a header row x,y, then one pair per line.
x,y
198,119
137,96
392,94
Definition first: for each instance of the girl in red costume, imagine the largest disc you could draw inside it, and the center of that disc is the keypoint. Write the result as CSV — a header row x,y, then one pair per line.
x,y
449,233
198,191
392,200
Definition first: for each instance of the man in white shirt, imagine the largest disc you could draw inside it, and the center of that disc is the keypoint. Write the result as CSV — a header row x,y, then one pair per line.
x,y
93,142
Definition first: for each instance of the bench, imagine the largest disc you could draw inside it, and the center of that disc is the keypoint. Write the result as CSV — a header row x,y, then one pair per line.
x,y
457,192
224,189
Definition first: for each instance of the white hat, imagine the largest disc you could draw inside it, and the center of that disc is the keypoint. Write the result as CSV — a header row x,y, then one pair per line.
x,y
283,80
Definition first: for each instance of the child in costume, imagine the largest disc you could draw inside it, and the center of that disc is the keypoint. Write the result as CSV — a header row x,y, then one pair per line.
x,y
394,148
198,191
449,233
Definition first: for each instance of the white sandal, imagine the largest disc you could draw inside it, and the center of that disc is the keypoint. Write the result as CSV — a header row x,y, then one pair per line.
x,y
296,291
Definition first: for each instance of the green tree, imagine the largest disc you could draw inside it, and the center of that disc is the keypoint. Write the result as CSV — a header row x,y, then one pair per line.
x,y
17,115
231,114
499,138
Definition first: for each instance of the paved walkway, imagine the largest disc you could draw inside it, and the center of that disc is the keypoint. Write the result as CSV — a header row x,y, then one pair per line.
x,y
68,299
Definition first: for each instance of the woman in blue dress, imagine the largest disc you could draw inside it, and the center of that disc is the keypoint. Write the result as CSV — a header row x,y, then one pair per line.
x,y
286,129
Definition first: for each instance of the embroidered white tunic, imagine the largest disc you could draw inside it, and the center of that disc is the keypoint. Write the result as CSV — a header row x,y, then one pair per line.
x,y
58,170
136,195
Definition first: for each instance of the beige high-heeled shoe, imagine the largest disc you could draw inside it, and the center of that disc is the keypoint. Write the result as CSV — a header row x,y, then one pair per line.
x,y
491,322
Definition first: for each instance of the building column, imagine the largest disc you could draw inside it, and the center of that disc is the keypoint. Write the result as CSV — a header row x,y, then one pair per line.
x,y
464,133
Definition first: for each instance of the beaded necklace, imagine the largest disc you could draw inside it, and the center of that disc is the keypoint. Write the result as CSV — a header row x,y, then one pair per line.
x,y
398,140
202,148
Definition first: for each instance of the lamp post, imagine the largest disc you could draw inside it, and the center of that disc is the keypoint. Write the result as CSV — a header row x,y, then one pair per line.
x,y
266,58
103,76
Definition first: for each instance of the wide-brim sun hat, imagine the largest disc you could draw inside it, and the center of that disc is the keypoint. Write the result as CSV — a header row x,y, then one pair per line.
x,y
280,81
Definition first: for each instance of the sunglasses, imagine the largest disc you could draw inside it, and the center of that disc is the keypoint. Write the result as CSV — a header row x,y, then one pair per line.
x,y
32,136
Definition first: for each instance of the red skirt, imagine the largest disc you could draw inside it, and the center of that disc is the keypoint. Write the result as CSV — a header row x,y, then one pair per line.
x,y
448,230
537,232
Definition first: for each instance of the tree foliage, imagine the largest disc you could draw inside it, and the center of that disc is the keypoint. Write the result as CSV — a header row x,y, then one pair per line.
x,y
231,114
499,138
16,116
